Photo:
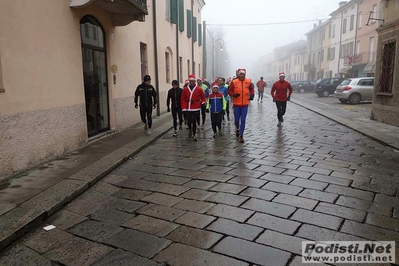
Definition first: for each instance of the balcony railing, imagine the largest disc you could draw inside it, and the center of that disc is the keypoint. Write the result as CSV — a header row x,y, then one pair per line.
x,y
359,59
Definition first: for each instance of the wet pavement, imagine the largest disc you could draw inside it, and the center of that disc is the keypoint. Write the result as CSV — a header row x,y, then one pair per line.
x,y
218,201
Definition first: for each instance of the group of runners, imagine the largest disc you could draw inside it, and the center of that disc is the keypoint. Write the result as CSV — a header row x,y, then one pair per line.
x,y
190,104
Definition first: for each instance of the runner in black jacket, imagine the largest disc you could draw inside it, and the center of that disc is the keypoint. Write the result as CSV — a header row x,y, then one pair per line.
x,y
148,100
174,97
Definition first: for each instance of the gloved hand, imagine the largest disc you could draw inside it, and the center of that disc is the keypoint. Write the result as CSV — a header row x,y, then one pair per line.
x,y
203,104
206,110
288,98
136,106
155,106
274,100
235,95
251,97
168,109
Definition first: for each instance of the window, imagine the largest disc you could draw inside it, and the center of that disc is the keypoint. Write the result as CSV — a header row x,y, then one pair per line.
x,y
387,67
167,10
181,69
344,25
143,59
352,22
188,67
357,47
332,53
322,55
366,82
193,68
329,31
371,49
194,29
359,20
199,34
333,31
167,66
374,14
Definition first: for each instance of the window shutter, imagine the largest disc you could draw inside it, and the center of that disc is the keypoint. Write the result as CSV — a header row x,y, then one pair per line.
x,y
174,14
199,34
189,23
181,15
194,29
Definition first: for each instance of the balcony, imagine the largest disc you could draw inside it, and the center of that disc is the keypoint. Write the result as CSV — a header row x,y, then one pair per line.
x,y
308,68
360,59
123,12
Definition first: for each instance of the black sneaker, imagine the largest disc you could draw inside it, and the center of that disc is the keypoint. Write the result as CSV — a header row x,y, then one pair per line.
x,y
240,139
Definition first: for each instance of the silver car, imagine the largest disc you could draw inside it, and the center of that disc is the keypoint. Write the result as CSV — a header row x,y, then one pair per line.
x,y
354,90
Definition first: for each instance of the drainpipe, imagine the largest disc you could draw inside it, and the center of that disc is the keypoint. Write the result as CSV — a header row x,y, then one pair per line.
x,y
192,38
340,40
355,44
154,11
177,52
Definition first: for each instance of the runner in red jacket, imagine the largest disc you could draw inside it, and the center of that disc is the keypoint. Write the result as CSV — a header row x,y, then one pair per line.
x,y
281,92
192,98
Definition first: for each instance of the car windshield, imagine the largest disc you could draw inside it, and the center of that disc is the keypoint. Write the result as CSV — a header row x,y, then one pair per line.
x,y
318,81
346,82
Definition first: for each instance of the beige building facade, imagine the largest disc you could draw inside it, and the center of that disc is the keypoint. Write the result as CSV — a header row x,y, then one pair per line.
x,y
69,69
385,107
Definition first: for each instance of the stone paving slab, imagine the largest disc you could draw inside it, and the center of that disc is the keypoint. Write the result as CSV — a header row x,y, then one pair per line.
x,y
124,258
203,239
151,225
144,244
274,223
183,255
20,255
233,228
252,252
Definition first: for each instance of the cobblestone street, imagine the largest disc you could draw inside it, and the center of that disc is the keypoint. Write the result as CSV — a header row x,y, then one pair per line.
x,y
220,202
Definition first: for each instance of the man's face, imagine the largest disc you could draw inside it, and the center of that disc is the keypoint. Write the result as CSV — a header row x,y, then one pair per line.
x,y
192,83
199,82
174,86
241,76
220,82
148,82
282,78
215,89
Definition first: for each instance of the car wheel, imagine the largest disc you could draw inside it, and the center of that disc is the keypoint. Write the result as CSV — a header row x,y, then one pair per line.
x,y
343,100
302,90
326,93
354,98
320,94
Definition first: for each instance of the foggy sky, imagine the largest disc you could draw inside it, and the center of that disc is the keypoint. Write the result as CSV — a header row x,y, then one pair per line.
x,y
245,44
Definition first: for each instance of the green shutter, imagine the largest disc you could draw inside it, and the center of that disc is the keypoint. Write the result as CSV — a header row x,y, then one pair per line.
x,y
181,15
199,34
189,23
174,11
194,29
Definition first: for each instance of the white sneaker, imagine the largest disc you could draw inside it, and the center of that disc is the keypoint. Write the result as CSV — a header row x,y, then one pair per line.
x,y
175,134
148,131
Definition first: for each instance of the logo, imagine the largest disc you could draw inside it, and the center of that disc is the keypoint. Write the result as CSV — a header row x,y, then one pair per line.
x,y
348,252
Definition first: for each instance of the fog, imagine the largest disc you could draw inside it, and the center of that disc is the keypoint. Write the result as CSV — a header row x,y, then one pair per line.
x,y
233,24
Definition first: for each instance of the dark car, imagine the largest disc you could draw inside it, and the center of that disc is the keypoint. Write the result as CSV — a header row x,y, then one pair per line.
x,y
303,86
327,86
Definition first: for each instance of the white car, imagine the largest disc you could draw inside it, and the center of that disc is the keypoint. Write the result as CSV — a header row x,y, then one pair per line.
x,y
355,90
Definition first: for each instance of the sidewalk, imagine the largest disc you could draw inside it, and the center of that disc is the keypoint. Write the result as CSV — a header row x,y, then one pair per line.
x,y
30,199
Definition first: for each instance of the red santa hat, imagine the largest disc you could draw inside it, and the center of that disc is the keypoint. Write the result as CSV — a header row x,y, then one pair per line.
x,y
241,71
281,74
215,85
191,77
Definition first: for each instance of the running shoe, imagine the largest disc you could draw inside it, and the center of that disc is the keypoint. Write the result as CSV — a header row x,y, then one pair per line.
x,y
194,138
148,131
237,133
175,134
145,127
279,124
240,139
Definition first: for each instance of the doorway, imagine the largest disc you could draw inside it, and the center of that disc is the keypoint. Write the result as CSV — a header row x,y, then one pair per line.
x,y
94,76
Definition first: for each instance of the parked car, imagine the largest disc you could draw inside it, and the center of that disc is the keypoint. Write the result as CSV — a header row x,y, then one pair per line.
x,y
355,90
325,87
303,86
